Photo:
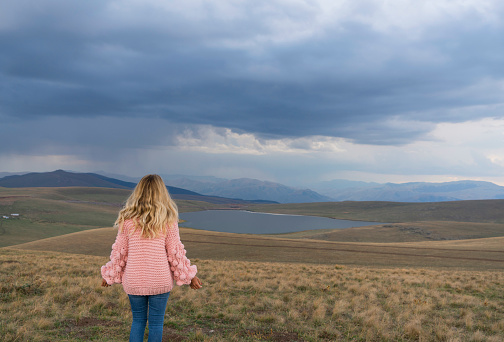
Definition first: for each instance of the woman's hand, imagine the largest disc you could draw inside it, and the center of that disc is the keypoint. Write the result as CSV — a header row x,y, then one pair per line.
x,y
196,283
104,283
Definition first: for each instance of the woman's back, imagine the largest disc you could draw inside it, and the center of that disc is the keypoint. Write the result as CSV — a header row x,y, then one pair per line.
x,y
148,266
147,269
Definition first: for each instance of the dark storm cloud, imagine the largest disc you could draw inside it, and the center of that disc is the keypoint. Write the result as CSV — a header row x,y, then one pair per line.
x,y
210,66
98,138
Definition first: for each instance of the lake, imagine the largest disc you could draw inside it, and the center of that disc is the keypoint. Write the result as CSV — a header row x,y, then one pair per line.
x,y
240,221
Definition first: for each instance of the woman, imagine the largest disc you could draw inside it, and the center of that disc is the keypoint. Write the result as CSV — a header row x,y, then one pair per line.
x,y
148,257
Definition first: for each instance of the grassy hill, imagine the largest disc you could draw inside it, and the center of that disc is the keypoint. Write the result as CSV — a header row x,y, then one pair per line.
x,y
62,179
490,211
482,254
49,296
405,232
46,212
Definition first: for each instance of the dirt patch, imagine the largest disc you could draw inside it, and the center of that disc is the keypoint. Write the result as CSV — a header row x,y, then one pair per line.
x,y
171,335
78,328
83,328
111,305
286,337
91,322
327,336
277,336
27,289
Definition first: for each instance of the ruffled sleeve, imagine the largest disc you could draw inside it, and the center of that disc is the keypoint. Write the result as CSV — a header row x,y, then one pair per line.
x,y
181,267
113,270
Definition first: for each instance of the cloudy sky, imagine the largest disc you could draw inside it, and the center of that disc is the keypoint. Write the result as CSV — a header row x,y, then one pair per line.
x,y
293,91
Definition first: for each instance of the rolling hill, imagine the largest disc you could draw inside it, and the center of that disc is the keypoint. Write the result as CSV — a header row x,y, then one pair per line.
x,y
479,253
56,212
52,211
47,212
61,178
484,211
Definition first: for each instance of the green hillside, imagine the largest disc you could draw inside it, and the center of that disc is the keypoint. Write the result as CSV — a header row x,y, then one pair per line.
x,y
47,212
490,211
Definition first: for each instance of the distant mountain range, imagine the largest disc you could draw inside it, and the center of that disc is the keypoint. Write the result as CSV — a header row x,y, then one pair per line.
x,y
4,174
61,178
246,190
341,190
249,189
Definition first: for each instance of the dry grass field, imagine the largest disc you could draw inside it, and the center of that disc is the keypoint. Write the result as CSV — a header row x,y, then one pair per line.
x,y
485,254
51,296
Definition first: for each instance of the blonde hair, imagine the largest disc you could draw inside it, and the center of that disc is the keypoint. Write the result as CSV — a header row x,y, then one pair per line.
x,y
150,206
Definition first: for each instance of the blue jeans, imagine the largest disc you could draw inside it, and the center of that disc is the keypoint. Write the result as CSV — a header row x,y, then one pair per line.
x,y
156,306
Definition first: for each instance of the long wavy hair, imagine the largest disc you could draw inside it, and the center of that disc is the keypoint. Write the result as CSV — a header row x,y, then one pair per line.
x,y
150,206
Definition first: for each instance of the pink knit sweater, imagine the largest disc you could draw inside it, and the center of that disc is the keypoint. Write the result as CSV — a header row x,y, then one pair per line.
x,y
148,266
